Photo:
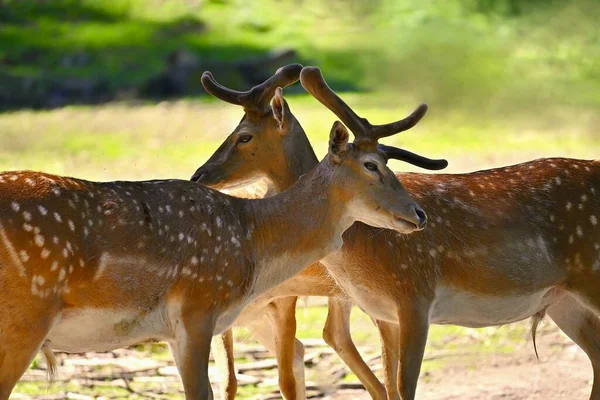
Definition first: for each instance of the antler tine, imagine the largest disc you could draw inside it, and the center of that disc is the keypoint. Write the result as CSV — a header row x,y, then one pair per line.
x,y
223,93
380,131
284,77
411,158
312,80
257,98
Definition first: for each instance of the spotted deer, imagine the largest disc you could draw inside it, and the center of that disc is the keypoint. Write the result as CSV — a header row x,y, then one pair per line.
x,y
502,245
240,160
249,146
93,266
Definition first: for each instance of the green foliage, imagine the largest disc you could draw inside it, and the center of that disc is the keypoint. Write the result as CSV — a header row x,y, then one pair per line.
x,y
489,53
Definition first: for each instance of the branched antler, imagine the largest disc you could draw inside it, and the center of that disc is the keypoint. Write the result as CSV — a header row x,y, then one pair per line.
x,y
312,80
258,98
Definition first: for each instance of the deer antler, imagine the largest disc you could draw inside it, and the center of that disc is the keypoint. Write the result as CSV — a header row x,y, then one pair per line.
x,y
312,80
314,83
258,98
411,158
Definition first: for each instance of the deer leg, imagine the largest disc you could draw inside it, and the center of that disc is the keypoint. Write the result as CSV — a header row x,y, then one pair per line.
x,y
388,333
583,327
22,335
288,350
223,353
337,335
193,334
412,336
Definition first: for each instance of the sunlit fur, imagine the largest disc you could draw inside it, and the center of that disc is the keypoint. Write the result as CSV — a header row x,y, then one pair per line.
x,y
96,266
501,245
235,164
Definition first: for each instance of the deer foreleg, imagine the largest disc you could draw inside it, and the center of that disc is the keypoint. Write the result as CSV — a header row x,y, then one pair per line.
x,y
413,328
583,327
337,335
193,334
389,335
223,353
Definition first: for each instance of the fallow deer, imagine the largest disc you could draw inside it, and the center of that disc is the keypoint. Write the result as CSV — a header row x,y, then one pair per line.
x,y
243,158
502,245
93,266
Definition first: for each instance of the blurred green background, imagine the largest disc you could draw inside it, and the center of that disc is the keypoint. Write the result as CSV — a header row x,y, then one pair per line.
x,y
109,89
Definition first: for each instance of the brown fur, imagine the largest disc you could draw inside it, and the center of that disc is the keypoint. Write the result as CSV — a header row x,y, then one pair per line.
x,y
185,257
504,232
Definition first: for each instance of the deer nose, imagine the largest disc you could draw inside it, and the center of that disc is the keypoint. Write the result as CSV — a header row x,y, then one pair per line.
x,y
421,217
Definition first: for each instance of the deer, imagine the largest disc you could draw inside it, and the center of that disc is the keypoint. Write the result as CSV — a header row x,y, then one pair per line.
x,y
94,266
502,245
271,318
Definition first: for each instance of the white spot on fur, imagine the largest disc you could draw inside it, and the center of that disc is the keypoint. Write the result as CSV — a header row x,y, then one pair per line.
x,y
24,256
15,206
12,252
594,220
39,240
71,226
579,231
569,205
57,217
102,264
42,210
45,253
27,215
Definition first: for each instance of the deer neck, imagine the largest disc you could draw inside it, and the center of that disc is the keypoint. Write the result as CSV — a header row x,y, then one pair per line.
x,y
296,228
300,159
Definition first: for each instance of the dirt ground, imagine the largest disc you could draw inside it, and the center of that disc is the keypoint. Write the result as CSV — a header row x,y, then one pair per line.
x,y
563,373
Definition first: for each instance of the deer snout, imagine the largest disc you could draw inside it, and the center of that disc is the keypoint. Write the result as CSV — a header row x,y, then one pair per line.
x,y
417,216
421,216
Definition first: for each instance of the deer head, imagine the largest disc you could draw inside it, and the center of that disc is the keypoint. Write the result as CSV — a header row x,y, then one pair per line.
x,y
365,181
361,175
267,125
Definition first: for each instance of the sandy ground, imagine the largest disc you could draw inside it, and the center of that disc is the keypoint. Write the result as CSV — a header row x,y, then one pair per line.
x,y
562,374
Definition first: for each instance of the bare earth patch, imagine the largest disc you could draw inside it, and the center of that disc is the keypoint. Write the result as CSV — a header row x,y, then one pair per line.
x,y
563,373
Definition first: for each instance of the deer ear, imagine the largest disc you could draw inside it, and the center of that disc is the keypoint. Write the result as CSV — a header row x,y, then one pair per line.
x,y
279,108
338,141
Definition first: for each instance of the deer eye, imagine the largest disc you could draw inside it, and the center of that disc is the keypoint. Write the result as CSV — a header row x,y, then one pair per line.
x,y
244,138
371,166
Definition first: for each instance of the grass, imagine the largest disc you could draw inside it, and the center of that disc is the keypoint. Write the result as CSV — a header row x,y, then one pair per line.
x,y
121,141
